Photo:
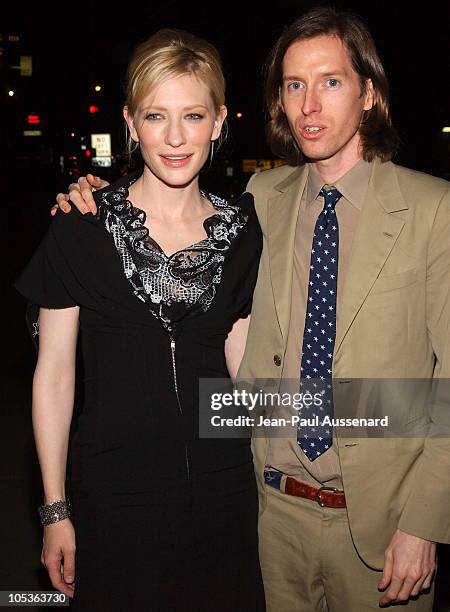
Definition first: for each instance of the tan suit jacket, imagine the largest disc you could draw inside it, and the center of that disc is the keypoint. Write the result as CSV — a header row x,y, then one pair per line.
x,y
392,322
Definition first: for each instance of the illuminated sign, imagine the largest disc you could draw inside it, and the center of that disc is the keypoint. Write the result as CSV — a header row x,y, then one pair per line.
x,y
26,65
103,162
102,144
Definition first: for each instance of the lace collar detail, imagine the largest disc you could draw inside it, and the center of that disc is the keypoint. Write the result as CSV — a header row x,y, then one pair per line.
x,y
183,283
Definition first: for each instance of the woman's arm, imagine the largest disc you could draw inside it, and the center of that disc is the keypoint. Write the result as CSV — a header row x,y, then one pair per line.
x,y
235,345
53,394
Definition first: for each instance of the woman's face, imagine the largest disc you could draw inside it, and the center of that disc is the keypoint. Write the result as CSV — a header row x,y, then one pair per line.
x,y
174,125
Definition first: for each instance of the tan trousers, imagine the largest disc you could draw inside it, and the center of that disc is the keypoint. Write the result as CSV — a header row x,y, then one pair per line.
x,y
309,563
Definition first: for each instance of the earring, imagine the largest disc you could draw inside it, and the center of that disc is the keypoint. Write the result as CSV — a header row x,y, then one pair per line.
x,y
212,152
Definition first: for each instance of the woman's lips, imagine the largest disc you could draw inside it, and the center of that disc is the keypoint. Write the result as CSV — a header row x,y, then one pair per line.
x,y
176,161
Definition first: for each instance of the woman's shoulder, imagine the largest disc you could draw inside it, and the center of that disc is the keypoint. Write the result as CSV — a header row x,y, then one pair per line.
x,y
114,195
242,206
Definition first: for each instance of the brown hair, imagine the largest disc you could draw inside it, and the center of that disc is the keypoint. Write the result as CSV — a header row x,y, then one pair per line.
x,y
171,53
378,136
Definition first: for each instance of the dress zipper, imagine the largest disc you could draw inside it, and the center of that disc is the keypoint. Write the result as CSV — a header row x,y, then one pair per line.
x,y
174,367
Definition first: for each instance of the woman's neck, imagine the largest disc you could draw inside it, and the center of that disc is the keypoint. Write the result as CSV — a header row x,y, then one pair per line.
x,y
167,203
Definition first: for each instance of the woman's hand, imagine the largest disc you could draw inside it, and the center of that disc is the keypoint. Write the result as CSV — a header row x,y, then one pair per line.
x,y
59,546
80,194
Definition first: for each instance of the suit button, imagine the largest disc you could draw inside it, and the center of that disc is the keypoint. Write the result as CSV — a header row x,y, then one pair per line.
x,y
277,360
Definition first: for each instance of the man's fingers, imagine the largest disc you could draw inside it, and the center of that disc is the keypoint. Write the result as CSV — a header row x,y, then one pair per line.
x,y
418,587
77,199
86,193
96,181
428,580
409,585
62,203
387,571
393,591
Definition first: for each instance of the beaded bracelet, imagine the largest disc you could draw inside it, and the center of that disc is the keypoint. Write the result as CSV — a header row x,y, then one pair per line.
x,y
54,512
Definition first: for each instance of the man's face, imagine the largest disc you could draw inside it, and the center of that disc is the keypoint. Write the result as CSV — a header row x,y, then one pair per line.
x,y
321,97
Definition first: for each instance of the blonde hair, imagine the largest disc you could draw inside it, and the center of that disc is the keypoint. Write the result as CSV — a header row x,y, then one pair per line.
x,y
167,54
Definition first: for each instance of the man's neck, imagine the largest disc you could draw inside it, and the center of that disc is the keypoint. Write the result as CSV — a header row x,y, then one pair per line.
x,y
332,169
330,174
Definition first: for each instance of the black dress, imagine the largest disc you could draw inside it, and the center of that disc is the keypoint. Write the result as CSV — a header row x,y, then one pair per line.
x,y
164,519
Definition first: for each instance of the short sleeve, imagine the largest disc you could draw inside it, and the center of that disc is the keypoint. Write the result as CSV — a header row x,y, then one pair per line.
x,y
249,261
45,281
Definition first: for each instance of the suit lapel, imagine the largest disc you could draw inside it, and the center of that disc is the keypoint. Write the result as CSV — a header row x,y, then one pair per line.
x,y
282,219
375,238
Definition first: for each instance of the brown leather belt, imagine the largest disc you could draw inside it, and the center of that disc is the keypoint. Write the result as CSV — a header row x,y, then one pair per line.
x,y
328,497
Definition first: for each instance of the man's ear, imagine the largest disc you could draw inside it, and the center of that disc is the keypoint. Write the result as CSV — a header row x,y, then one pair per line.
x,y
130,122
369,95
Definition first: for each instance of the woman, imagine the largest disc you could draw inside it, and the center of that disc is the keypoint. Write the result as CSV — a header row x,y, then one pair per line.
x,y
160,519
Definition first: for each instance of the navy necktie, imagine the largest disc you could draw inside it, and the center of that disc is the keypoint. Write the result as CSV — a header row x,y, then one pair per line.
x,y
320,328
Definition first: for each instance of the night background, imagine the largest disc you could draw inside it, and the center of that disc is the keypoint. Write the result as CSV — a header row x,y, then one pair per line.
x,y
45,133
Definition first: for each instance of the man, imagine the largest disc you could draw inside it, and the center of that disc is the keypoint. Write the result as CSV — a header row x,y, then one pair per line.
x,y
327,97
360,515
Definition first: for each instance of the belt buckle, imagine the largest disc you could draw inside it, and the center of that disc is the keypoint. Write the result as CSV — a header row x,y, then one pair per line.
x,y
319,491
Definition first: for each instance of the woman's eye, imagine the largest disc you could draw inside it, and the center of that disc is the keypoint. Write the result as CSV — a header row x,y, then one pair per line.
x,y
153,116
195,116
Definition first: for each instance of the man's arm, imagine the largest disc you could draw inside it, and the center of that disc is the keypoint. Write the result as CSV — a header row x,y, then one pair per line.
x,y
235,345
80,194
410,557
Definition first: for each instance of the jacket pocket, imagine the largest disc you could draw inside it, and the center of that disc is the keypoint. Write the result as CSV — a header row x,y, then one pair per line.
x,y
394,281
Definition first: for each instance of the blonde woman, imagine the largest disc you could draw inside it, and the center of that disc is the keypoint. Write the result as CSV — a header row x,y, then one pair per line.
x,y
158,283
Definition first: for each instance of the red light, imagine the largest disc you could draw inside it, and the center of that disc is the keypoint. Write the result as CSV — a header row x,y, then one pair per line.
x,y
93,109
88,153
33,119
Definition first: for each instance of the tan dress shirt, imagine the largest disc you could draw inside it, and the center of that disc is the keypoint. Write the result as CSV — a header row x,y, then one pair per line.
x,y
284,454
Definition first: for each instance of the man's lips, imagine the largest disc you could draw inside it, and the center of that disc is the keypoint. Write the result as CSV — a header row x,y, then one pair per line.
x,y
312,132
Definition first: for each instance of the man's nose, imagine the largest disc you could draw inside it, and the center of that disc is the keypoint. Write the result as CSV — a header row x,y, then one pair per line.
x,y
311,102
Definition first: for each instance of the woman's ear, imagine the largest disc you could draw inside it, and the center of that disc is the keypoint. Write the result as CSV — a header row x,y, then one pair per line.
x,y
218,122
130,122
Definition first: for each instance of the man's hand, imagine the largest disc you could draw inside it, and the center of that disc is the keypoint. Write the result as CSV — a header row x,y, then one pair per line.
x,y
410,563
80,194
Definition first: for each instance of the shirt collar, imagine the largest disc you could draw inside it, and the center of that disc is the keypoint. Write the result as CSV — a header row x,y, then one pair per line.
x,y
353,184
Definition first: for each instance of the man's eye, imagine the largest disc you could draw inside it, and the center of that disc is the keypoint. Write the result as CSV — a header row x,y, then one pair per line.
x,y
295,86
333,82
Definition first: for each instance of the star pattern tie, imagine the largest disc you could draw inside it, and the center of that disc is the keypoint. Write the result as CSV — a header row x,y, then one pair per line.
x,y
320,327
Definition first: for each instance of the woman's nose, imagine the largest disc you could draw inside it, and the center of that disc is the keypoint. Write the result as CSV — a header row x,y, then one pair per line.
x,y
174,134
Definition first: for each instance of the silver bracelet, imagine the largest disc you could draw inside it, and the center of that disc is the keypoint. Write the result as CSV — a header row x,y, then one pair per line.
x,y
54,512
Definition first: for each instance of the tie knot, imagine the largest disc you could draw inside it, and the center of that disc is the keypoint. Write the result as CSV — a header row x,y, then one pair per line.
x,y
331,196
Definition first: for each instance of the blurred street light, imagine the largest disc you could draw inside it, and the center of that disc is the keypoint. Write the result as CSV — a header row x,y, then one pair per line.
x,y
11,93
239,115
98,88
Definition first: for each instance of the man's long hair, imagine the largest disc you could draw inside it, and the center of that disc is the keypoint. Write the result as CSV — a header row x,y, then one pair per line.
x,y
378,136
